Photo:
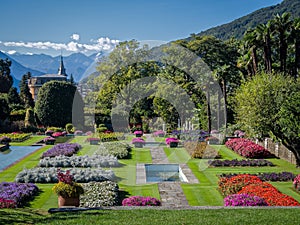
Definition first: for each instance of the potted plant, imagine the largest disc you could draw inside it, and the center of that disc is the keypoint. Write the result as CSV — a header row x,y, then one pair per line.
x,y
138,133
172,142
49,140
138,142
67,190
93,140
159,133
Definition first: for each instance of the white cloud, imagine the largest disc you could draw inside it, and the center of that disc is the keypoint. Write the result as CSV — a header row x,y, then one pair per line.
x,y
11,52
103,43
75,37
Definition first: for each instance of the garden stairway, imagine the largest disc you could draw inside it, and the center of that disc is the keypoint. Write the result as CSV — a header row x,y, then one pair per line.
x,y
171,193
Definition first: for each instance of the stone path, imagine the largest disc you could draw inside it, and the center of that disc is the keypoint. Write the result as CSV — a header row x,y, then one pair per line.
x,y
171,193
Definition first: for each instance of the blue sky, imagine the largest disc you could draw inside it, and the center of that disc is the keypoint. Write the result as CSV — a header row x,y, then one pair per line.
x,y
47,25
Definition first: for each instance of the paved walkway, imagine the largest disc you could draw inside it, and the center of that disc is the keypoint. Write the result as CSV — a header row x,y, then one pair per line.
x,y
171,193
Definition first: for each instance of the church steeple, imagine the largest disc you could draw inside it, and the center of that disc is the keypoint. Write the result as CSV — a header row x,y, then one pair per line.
x,y
61,69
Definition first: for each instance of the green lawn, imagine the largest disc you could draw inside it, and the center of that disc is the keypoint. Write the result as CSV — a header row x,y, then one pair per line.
x,y
245,216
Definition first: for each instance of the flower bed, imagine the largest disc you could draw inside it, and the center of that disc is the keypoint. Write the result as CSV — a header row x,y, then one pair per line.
x,y
235,162
283,176
114,136
98,194
252,185
296,182
200,150
270,194
141,201
117,149
244,200
16,137
234,184
80,161
247,148
67,149
48,175
13,195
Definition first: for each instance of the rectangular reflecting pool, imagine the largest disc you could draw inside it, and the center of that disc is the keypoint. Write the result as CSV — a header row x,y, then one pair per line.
x,y
15,153
164,173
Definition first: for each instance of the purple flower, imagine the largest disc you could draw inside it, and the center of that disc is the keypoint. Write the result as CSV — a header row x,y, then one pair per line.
x,y
244,200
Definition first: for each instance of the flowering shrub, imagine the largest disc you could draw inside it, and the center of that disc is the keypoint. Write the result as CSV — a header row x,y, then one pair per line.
x,y
80,161
239,133
138,140
114,136
234,184
4,140
49,140
16,137
244,200
67,149
48,175
97,194
57,134
141,201
66,187
247,148
235,162
159,133
13,195
4,203
138,132
171,139
296,182
117,149
78,133
270,194
283,176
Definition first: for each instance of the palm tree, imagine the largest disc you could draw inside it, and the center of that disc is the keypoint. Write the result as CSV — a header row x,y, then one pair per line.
x,y
251,43
282,24
263,36
296,39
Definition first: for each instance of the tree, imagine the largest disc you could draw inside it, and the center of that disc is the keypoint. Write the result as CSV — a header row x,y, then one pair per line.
x,y
4,109
263,36
269,105
29,118
13,96
25,94
55,103
6,79
282,24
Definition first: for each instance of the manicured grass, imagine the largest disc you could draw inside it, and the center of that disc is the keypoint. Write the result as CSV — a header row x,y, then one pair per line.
x,y
222,216
177,155
32,140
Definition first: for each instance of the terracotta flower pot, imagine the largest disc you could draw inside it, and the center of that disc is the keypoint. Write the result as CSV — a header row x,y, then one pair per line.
x,y
68,201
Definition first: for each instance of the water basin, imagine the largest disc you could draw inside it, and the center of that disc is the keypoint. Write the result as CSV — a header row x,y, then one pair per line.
x,y
15,153
164,173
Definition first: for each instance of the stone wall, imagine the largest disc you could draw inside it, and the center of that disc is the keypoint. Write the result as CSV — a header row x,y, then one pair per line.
x,y
278,150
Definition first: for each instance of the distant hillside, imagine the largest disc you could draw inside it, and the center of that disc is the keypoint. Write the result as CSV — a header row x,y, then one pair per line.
x,y
18,70
75,64
238,27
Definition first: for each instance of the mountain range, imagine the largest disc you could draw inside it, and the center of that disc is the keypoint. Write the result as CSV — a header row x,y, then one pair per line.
x,y
76,64
81,66
238,27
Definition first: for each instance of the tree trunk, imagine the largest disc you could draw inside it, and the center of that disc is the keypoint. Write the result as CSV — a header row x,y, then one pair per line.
x,y
254,60
297,57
